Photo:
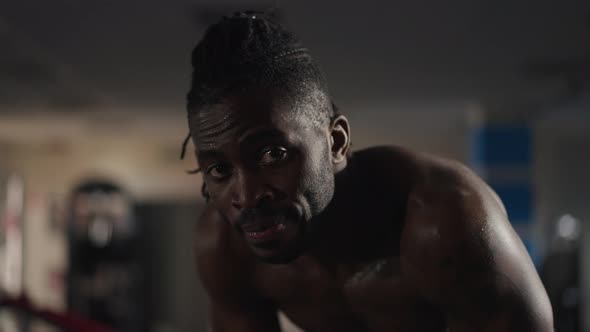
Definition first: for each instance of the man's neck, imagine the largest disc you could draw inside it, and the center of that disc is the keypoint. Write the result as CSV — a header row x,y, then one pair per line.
x,y
355,227
339,226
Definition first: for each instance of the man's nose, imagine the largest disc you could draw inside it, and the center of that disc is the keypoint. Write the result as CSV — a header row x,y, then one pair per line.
x,y
249,190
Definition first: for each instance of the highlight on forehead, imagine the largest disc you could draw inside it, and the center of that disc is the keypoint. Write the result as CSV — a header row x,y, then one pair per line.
x,y
209,122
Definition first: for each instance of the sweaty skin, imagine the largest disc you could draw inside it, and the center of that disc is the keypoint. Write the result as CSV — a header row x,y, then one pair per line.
x,y
382,239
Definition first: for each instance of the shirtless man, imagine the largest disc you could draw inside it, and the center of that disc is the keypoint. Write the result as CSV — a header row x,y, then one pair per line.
x,y
382,239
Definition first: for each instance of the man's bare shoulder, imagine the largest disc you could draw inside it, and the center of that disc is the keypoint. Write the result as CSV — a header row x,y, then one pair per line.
x,y
388,157
448,204
460,249
425,174
421,172
223,263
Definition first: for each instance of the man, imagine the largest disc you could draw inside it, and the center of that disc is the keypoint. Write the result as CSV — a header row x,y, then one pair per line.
x,y
382,239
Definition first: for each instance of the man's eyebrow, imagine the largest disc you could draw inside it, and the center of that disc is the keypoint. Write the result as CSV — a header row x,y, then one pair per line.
x,y
209,154
260,134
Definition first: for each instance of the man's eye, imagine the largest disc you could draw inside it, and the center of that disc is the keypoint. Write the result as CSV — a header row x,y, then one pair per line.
x,y
273,155
218,171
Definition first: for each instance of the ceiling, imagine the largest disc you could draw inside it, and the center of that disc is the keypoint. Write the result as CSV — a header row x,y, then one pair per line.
x,y
88,56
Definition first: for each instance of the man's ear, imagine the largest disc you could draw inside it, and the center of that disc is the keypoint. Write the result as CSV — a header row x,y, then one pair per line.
x,y
339,140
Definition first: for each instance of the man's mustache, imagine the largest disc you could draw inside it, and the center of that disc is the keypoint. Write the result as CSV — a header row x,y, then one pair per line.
x,y
250,215
253,215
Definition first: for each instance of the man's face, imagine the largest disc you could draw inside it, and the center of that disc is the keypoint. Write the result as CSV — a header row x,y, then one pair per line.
x,y
267,170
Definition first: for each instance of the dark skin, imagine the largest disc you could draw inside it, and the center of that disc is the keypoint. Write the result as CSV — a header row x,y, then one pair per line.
x,y
383,239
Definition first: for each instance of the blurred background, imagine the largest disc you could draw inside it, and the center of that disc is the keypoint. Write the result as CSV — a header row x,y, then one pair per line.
x,y
97,212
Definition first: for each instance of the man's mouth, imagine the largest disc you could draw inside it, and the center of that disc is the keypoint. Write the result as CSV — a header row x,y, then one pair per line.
x,y
263,232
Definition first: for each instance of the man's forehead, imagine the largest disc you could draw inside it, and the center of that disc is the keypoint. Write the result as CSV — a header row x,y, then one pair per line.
x,y
247,112
255,102
221,120
244,130
249,141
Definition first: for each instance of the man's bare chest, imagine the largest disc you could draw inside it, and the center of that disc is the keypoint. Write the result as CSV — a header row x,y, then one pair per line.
x,y
373,297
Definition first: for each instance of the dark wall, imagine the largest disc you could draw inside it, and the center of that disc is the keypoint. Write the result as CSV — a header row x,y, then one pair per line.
x,y
175,300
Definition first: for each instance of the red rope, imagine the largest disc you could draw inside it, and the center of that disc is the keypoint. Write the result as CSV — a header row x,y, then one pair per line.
x,y
67,321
